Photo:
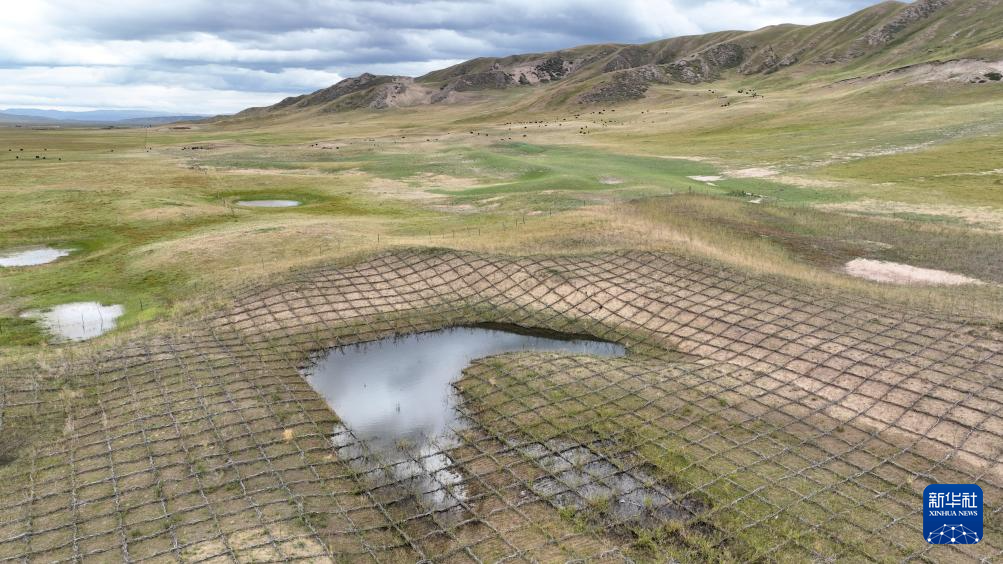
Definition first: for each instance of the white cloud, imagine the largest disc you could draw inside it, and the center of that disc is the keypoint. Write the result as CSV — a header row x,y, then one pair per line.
x,y
202,90
218,56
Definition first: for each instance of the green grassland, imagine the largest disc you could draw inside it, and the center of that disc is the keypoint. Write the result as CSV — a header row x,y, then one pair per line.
x,y
738,526
909,174
788,185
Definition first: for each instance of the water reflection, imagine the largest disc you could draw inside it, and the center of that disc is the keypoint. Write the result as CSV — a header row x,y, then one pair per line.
x,y
268,203
398,407
31,257
77,321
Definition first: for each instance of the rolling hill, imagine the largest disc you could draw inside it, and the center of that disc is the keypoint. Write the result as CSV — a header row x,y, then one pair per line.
x,y
944,40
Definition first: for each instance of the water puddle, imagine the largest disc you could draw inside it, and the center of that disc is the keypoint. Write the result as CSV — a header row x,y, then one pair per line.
x,y
268,203
31,257
77,321
580,478
398,407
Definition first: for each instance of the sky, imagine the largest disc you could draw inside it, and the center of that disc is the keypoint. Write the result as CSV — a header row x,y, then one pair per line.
x,y
221,56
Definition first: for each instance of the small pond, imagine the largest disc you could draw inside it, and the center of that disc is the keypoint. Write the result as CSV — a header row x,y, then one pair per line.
x,y
33,256
398,406
268,203
399,388
77,321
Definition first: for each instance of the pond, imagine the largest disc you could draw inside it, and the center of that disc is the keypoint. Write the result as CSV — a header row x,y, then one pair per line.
x,y
33,256
268,203
399,388
398,406
77,321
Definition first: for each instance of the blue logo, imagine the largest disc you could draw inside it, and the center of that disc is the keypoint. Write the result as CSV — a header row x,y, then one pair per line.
x,y
952,514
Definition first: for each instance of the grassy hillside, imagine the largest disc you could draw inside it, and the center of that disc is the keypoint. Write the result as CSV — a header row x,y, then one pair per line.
x,y
791,172
705,215
880,39
839,172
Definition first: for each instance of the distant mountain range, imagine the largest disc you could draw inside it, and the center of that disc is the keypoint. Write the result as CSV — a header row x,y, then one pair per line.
x,y
923,41
124,117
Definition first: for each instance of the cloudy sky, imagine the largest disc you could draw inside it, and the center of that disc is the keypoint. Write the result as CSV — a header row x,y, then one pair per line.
x,y
219,56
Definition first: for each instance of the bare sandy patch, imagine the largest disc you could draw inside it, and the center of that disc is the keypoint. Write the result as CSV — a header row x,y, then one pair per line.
x,y
270,171
610,180
756,172
396,189
959,70
684,158
806,182
882,151
990,219
904,274
705,178
994,172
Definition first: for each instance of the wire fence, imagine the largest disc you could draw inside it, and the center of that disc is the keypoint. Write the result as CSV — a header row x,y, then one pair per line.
x,y
752,422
